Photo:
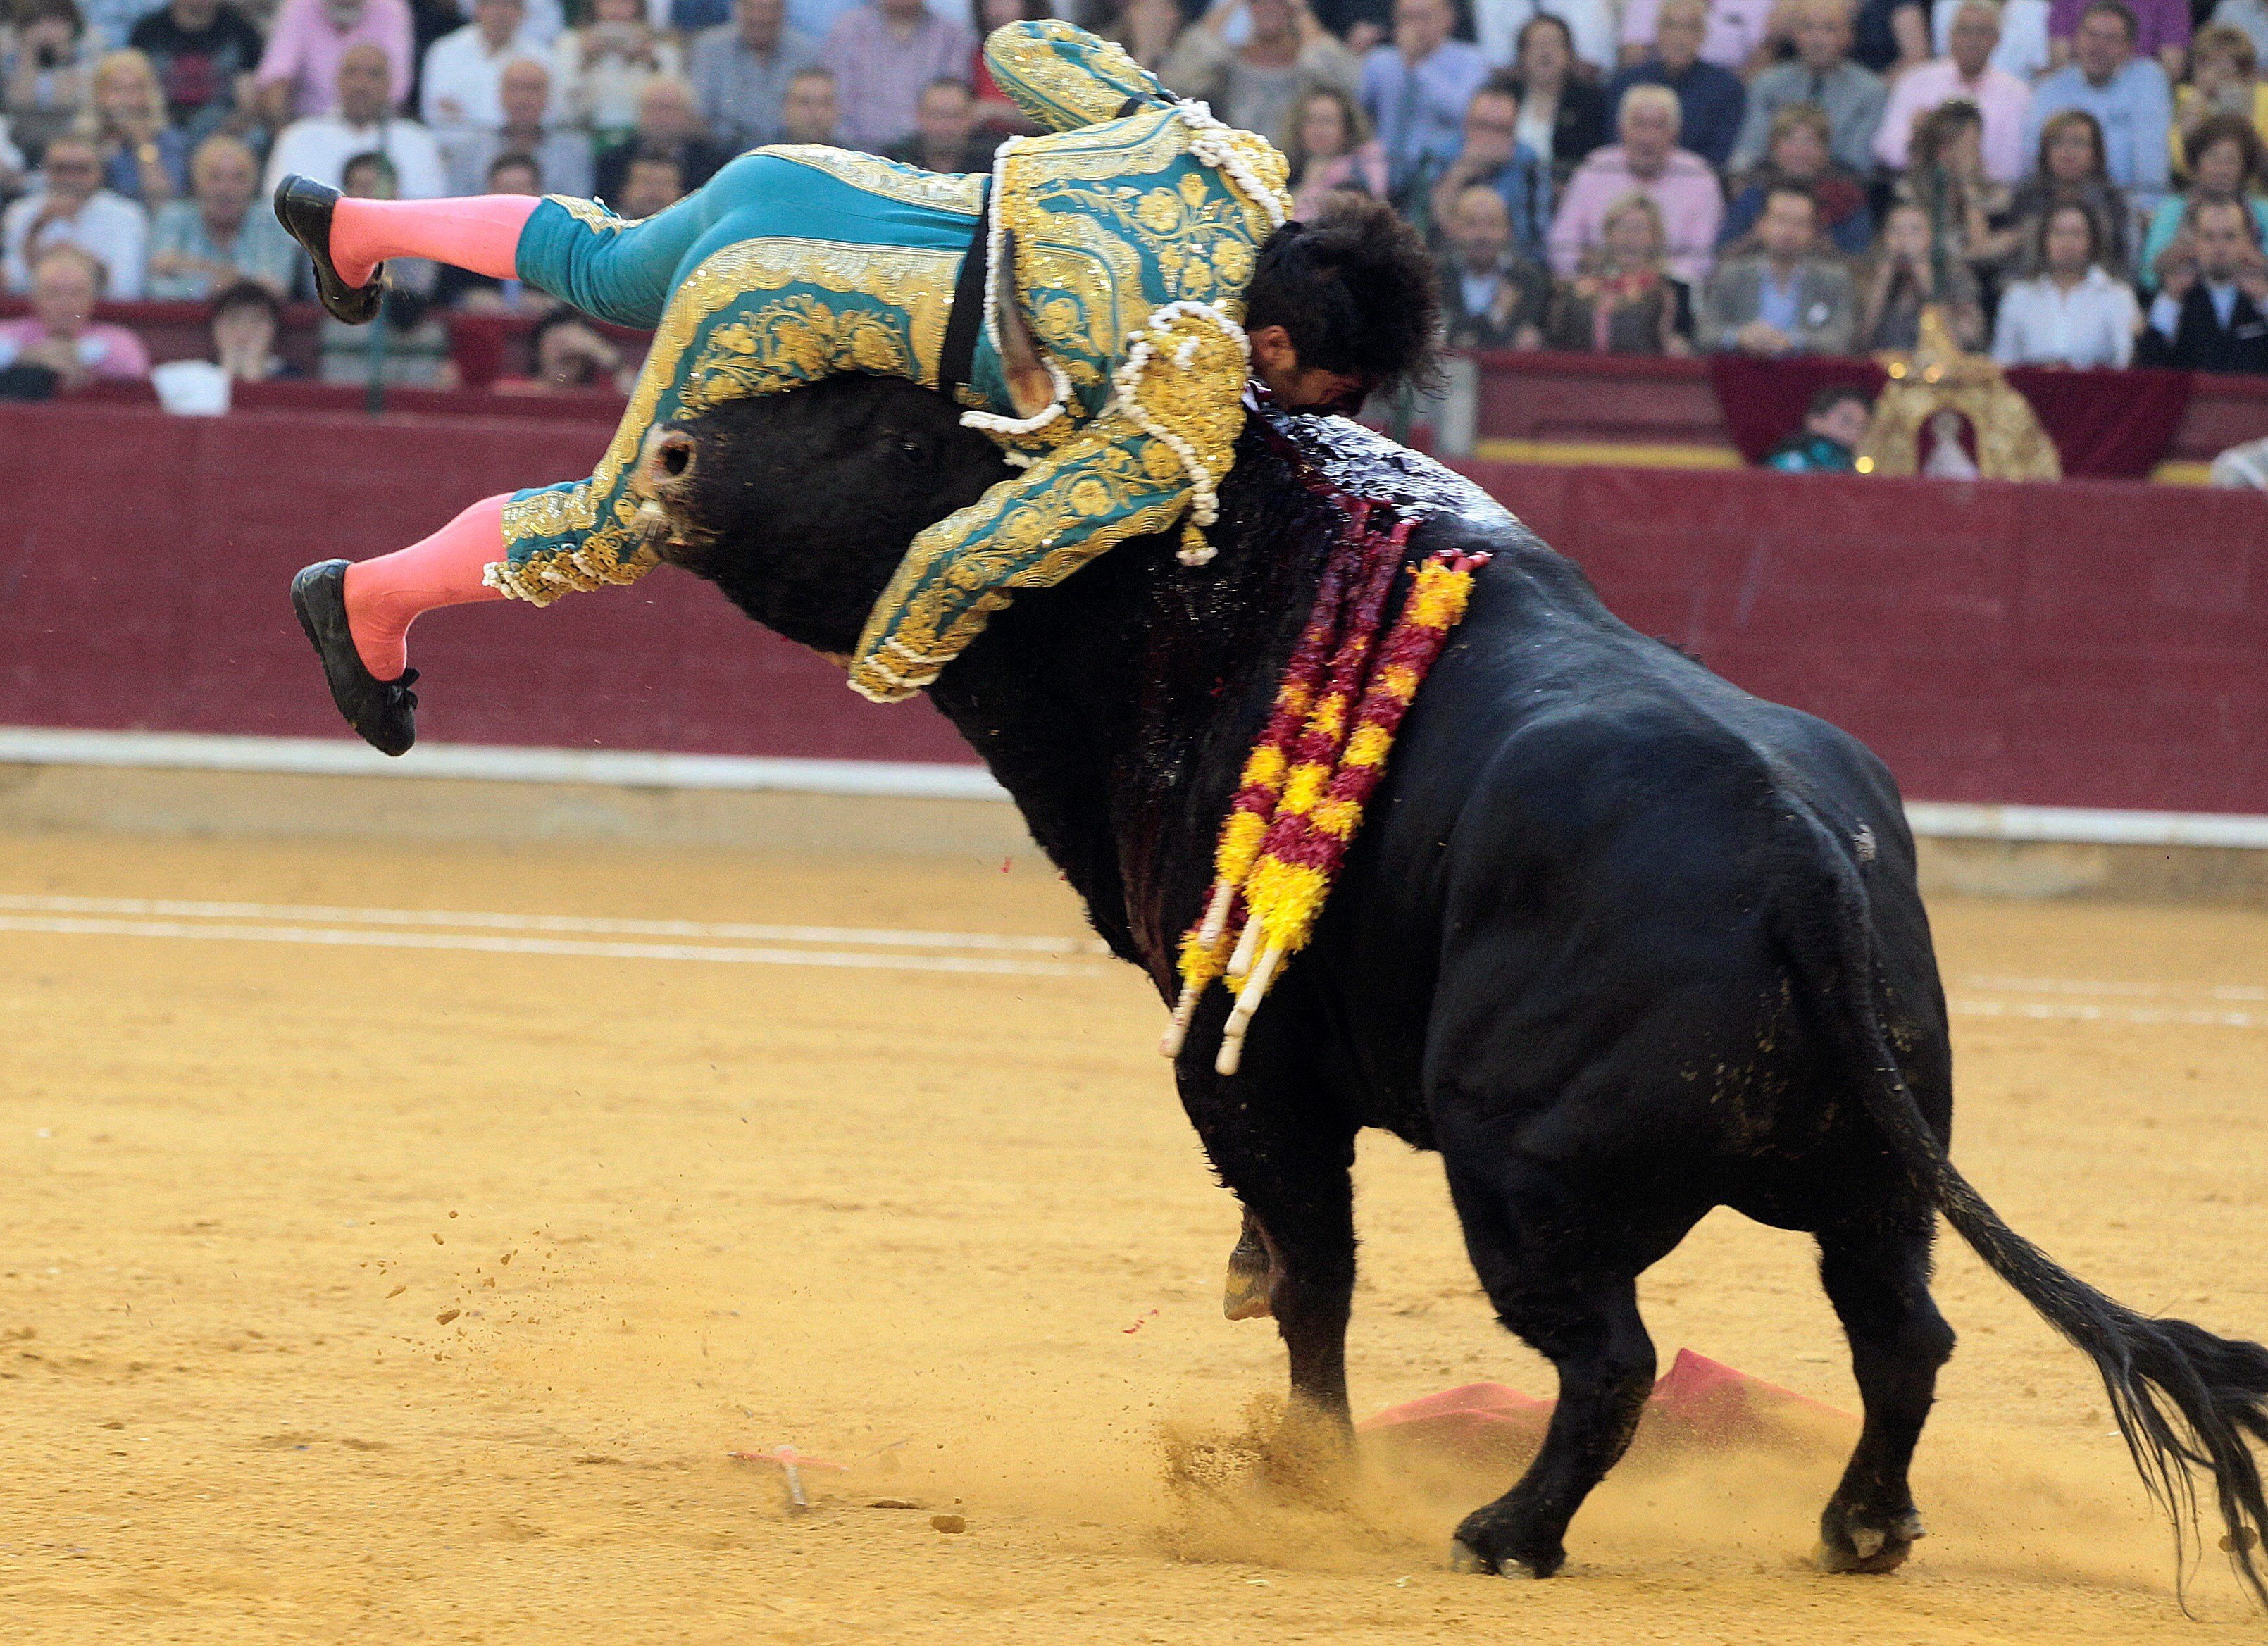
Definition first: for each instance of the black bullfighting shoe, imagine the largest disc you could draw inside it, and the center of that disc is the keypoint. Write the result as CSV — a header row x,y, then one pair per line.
x,y
385,712
303,206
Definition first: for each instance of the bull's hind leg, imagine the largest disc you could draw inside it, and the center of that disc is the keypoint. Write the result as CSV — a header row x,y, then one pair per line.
x,y
1877,1276
1574,1299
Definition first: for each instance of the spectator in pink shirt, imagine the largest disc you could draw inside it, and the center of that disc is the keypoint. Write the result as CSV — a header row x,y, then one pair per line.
x,y
2161,30
1647,161
1964,74
882,54
61,335
300,74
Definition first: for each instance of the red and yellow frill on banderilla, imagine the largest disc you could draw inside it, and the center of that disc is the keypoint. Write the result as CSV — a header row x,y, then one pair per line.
x,y
1301,795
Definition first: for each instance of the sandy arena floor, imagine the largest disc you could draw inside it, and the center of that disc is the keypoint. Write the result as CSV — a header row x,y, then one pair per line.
x,y
370,1279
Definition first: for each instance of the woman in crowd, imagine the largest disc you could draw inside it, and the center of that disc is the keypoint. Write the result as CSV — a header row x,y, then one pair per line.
x,y
2071,169
46,81
60,334
602,68
1625,301
1328,145
1797,154
2226,161
1910,271
2070,312
218,236
245,321
143,158
1965,209
1563,112
1251,83
1145,29
2222,65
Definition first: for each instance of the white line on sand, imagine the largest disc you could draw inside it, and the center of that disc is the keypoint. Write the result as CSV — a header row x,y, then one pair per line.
x,y
330,915
348,937
2079,1011
2081,986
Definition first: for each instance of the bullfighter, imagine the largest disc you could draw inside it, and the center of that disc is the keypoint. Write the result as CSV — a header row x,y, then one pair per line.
x,y
1097,305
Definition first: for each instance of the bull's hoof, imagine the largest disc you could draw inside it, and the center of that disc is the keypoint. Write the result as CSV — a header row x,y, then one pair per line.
x,y
1491,1543
1245,1297
1847,1543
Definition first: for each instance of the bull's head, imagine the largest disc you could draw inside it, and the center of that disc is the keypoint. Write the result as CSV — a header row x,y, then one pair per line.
x,y
800,505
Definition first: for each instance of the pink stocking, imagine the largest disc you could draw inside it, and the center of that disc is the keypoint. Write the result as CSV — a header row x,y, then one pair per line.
x,y
480,232
385,596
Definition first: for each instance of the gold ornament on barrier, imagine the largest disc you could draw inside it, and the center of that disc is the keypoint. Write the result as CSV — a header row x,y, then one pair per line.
x,y
1937,376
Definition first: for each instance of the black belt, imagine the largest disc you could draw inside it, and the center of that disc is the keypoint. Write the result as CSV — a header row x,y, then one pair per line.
x,y
959,355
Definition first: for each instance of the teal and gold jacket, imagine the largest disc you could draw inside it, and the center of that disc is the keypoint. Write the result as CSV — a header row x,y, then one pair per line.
x,y
1121,243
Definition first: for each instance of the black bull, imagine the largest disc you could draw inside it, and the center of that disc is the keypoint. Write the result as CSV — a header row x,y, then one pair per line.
x,y
1620,941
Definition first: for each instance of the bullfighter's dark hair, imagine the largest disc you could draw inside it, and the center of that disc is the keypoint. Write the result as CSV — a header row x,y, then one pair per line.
x,y
1354,288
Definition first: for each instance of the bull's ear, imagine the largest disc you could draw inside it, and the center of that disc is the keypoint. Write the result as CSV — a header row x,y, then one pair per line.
x,y
1030,389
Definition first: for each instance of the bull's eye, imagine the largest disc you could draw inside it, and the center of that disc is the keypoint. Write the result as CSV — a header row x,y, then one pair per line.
x,y
912,451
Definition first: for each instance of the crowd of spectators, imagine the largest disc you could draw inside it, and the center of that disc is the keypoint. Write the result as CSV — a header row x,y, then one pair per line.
x,y
2069,181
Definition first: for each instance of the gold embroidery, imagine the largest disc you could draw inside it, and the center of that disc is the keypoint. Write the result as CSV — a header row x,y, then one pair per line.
x,y
939,191
1063,77
590,213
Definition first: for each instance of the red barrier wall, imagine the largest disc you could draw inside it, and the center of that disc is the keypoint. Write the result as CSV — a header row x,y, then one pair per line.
x,y
2092,643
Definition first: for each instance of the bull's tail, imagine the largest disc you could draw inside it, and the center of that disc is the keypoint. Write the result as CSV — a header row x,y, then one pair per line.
x,y
2184,1399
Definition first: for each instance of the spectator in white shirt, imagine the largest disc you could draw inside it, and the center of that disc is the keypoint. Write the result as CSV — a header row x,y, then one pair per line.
x,y
2071,314
2022,51
564,157
73,209
321,145
600,69
1591,29
462,82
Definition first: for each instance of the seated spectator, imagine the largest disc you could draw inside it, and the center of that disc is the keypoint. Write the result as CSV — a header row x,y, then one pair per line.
x,y
668,124
46,78
1563,112
1827,444
1492,296
2127,95
651,183
1889,36
1742,36
2210,312
2070,312
245,321
2070,168
407,345
811,112
569,356
1625,300
2226,161
219,237
465,292
1796,155
2157,30
204,53
460,86
298,74
321,145
881,53
60,334
1647,160
740,69
2249,18
996,113
1711,100
1328,145
1147,30
1969,212
2223,73
1415,91
1821,76
1909,273
1251,83
1965,74
563,156
74,208
599,69
1590,28
1494,157
144,159
2022,25
1783,298
945,137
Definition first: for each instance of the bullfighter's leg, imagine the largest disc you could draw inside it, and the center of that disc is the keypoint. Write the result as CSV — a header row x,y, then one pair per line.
x,y
1576,1305
1877,1276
